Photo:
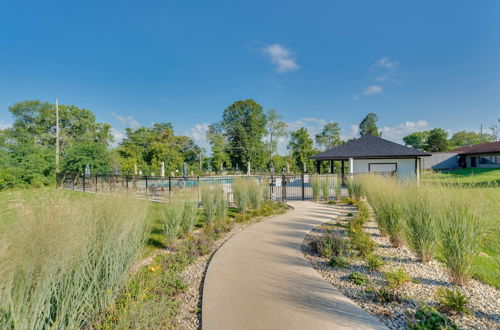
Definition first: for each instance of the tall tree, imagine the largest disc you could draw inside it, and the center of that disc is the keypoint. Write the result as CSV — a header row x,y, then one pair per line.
x,y
218,143
276,128
464,138
416,140
368,125
244,124
437,141
301,147
329,136
495,130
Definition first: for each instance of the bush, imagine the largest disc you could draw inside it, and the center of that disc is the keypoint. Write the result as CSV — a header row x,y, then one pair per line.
x,y
332,244
421,227
374,262
325,189
460,235
240,194
358,278
397,278
67,258
452,301
362,243
316,187
338,261
427,317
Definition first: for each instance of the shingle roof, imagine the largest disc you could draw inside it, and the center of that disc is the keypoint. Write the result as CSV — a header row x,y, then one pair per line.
x,y
479,148
369,146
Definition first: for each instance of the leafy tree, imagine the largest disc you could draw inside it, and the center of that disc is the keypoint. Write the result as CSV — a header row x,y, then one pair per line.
x,y
244,124
301,147
330,136
416,140
276,128
495,130
368,125
464,138
220,158
437,141
80,154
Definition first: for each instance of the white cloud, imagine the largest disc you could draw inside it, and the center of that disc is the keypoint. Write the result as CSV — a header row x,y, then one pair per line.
x,y
199,135
281,57
387,63
117,135
129,120
4,124
373,90
396,133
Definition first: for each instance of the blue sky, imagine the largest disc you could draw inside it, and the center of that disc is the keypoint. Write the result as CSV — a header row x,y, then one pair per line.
x,y
416,65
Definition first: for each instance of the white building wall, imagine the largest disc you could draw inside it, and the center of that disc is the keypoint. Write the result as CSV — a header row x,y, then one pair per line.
x,y
405,167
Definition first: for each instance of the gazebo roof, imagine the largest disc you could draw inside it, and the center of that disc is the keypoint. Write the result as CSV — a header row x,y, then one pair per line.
x,y
369,146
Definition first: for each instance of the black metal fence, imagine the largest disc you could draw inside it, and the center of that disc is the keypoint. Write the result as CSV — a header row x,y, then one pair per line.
x,y
278,187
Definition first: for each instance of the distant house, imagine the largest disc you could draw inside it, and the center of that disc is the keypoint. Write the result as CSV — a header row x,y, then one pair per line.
x,y
370,154
485,155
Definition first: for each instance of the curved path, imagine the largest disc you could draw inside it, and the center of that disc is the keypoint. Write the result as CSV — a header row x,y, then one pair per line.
x,y
259,280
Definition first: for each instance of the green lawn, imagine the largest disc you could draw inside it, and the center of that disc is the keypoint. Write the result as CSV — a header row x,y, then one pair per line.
x,y
467,176
482,185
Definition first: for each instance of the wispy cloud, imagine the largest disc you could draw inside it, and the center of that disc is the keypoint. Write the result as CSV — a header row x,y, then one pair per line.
x,y
396,133
373,90
387,63
4,124
129,120
281,57
199,135
118,136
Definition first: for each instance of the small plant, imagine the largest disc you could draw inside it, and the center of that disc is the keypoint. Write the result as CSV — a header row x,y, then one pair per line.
x,y
460,235
331,202
452,301
358,278
350,215
339,262
383,295
362,243
325,189
332,244
397,278
316,187
347,200
427,317
374,262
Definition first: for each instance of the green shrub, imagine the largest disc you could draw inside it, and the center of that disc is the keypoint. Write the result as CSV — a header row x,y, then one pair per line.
x,y
453,301
362,243
325,189
332,244
240,194
421,227
374,262
428,318
338,261
358,278
460,237
397,278
316,187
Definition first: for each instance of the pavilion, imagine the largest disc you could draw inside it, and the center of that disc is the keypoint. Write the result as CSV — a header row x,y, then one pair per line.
x,y
371,154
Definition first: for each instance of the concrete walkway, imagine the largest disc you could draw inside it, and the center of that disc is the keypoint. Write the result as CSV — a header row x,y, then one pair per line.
x,y
260,280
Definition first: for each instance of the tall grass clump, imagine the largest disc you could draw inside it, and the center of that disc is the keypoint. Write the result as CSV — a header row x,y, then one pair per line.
x,y
355,189
460,238
316,187
325,189
189,216
390,213
338,188
209,204
173,214
67,258
255,194
240,194
421,223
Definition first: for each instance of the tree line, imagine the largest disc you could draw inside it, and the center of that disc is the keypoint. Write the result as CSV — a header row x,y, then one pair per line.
x,y
245,136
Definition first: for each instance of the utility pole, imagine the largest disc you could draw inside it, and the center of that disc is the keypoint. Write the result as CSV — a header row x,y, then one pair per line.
x,y
57,135
481,133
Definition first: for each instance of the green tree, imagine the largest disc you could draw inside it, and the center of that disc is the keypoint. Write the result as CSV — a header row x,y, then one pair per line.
x,y
244,124
80,154
301,148
416,140
329,136
437,141
368,125
220,158
276,128
464,138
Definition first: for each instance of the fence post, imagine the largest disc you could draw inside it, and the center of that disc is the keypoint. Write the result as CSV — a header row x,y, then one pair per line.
x,y
199,190
146,177
271,188
126,181
303,187
96,183
283,190
169,186
84,183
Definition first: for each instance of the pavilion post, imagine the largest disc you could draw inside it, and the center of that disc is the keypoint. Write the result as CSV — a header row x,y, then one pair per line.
x,y
318,166
331,167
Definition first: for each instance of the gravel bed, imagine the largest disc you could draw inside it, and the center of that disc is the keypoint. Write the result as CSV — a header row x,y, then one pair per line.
x,y
484,299
189,316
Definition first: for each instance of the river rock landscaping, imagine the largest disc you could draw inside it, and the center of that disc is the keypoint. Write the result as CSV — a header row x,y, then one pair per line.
x,y
392,283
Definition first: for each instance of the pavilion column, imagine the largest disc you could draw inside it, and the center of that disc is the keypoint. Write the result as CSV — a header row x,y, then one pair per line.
x,y
343,172
331,167
351,167
318,166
